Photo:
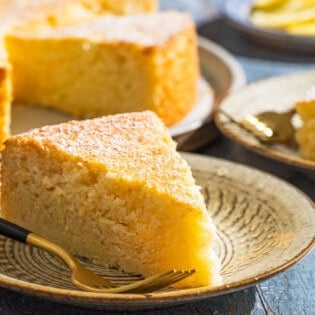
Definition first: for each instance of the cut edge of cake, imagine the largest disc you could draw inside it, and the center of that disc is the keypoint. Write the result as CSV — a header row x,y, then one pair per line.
x,y
305,135
5,101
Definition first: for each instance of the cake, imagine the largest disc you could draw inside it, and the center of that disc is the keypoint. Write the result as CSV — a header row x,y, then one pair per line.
x,y
51,13
5,99
306,134
109,65
121,7
17,12
114,190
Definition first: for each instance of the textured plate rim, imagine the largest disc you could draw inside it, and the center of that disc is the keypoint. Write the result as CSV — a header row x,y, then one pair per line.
x,y
139,301
250,28
262,148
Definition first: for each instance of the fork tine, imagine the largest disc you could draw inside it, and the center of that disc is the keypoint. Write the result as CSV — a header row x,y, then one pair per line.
x,y
152,283
135,285
162,278
160,282
154,286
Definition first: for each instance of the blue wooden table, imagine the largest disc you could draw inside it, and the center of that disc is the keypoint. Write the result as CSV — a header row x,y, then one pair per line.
x,y
291,292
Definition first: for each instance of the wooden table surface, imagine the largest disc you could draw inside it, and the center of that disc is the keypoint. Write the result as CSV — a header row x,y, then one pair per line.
x,y
291,292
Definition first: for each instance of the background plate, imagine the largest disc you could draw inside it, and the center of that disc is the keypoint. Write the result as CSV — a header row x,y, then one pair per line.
x,y
264,226
219,69
237,13
277,94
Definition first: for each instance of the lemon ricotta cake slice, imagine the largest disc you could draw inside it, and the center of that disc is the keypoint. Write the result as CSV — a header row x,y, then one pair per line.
x,y
109,65
305,135
114,190
5,98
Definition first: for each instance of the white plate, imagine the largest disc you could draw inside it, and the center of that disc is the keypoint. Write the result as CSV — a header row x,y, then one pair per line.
x,y
219,69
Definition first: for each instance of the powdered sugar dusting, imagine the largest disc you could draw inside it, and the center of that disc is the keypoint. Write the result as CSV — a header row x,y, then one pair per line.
x,y
145,29
132,146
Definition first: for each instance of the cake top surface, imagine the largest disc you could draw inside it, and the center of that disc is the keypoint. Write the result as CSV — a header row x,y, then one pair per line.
x,y
134,147
17,12
146,29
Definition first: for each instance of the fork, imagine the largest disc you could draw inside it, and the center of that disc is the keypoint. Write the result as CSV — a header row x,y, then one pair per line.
x,y
268,127
86,279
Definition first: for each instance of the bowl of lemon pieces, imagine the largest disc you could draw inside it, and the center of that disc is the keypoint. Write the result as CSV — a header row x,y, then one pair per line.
x,y
286,24
296,17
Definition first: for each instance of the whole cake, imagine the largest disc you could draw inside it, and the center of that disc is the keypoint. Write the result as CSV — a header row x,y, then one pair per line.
x,y
109,65
37,14
114,190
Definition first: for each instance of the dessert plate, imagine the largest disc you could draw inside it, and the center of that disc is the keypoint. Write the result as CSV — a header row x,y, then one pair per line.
x,y
275,94
221,74
237,13
264,226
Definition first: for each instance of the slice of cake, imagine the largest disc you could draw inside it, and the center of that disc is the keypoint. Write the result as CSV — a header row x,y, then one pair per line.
x,y
110,65
306,134
114,190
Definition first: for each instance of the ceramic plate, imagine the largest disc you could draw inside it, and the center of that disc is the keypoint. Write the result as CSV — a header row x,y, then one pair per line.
x,y
276,94
237,12
220,71
264,226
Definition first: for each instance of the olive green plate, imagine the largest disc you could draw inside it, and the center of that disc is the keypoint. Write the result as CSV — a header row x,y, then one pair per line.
x,y
264,226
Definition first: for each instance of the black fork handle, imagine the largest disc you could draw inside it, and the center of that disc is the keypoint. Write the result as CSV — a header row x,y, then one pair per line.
x,y
13,231
20,234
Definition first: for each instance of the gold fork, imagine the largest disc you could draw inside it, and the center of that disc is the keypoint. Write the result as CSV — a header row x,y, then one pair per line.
x,y
86,279
268,127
